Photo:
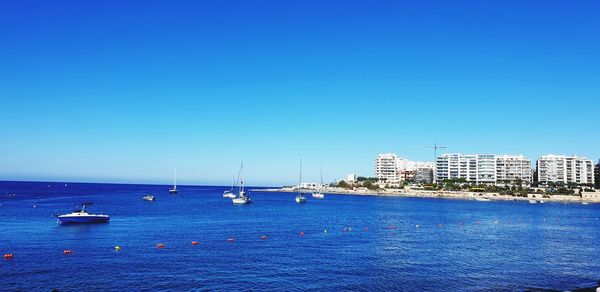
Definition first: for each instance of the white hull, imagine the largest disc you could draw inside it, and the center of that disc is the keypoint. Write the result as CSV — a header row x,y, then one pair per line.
x,y
300,199
240,201
318,195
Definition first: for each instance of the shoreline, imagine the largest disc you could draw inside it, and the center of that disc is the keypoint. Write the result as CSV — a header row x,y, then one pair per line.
x,y
456,195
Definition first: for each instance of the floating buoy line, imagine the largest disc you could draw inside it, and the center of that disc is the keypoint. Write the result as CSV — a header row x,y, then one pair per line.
x,y
66,252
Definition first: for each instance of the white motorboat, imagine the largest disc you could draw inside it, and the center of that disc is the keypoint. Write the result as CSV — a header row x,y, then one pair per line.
x,y
532,202
482,199
149,198
241,198
82,216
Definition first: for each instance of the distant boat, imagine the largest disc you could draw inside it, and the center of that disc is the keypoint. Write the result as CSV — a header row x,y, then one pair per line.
x,y
150,198
542,201
241,198
82,216
532,202
229,194
318,194
174,189
585,203
300,198
482,199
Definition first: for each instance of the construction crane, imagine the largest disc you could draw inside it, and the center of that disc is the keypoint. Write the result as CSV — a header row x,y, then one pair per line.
x,y
435,148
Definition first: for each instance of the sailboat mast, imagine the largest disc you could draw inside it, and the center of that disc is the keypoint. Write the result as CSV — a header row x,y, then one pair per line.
x,y
175,179
241,178
300,180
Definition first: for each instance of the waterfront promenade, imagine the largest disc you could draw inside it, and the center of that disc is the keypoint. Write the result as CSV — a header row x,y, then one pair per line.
x,y
587,197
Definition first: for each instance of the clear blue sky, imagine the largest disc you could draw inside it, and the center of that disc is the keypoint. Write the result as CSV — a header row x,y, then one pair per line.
x,y
119,91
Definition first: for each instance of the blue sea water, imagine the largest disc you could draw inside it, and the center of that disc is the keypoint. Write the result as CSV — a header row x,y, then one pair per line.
x,y
458,244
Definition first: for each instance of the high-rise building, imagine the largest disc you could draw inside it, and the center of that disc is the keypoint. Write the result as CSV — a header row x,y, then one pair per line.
x,y
513,169
391,168
483,168
386,167
565,169
456,166
597,174
424,175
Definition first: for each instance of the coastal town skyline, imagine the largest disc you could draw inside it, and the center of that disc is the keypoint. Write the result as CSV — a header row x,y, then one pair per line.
x,y
119,92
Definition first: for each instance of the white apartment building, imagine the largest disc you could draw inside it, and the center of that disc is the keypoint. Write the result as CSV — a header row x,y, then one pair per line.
x,y
386,167
565,169
483,168
391,168
513,168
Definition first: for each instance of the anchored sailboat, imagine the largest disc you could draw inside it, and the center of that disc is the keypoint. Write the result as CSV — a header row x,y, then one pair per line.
x,y
174,189
318,194
300,198
241,198
229,194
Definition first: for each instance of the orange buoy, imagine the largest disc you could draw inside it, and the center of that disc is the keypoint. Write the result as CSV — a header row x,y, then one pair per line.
x,y
160,245
231,239
195,243
263,237
67,251
8,256
301,233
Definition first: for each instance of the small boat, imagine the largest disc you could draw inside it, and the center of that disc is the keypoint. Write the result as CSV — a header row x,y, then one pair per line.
x,y
241,198
542,201
585,203
319,194
82,216
174,189
482,199
532,202
150,198
300,198
229,194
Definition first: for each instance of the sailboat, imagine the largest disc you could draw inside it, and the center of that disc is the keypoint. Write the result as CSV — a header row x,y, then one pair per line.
x,y
318,194
241,198
300,198
229,194
174,189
